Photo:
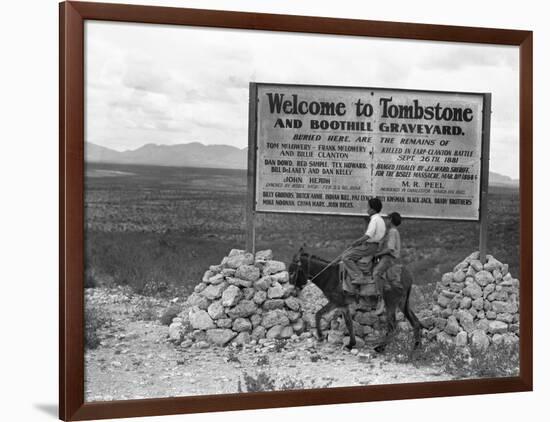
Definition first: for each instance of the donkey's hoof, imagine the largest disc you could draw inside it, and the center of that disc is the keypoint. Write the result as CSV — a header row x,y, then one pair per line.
x,y
350,346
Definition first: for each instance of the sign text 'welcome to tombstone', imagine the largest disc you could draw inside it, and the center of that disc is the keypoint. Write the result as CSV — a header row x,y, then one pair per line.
x,y
327,150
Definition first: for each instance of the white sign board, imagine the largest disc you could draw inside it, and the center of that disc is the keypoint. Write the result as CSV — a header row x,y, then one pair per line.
x,y
327,150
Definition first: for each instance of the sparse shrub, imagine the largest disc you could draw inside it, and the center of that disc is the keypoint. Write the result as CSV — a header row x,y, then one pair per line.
x,y
94,320
262,360
169,314
147,311
279,345
261,382
232,357
462,362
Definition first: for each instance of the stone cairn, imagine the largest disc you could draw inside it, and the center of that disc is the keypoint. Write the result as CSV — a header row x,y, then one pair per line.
x,y
245,298
476,304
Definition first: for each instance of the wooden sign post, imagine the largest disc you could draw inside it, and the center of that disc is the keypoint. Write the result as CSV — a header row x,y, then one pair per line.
x,y
484,200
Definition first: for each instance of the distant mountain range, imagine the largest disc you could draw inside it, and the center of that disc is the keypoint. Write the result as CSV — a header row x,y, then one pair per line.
x,y
195,154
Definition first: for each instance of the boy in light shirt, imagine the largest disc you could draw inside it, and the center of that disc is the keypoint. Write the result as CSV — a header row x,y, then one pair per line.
x,y
368,244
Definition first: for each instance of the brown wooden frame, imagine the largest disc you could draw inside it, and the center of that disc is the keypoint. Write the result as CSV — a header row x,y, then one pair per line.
x,y
71,208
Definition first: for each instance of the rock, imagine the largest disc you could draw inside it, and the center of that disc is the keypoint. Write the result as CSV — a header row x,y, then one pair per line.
x,y
482,325
263,283
248,272
510,339
264,255
456,287
220,336
299,326
197,300
200,320
288,290
293,303
293,316
443,337
258,332
207,275
216,311
229,272
492,264
242,324
198,335
271,304
239,282
287,332
276,291
335,337
199,287
461,339
281,277
216,279
443,301
452,327
504,307
274,332
365,318
447,279
214,291
224,323
507,318
498,327
234,252
466,321
476,265
462,266
231,296
466,303
273,267
497,339
480,340
473,291
459,276
238,260
244,308
483,278
488,289
491,315
259,297
242,338
175,331
275,317
248,293
255,320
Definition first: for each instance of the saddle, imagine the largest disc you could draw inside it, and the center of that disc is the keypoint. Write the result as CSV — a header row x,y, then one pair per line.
x,y
367,286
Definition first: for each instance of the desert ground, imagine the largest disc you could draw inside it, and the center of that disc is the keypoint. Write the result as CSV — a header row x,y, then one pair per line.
x,y
151,232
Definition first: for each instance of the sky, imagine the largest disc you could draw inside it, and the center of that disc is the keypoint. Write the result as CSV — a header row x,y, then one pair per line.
x,y
168,84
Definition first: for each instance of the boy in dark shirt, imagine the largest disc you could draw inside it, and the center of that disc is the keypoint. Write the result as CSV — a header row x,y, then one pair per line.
x,y
389,253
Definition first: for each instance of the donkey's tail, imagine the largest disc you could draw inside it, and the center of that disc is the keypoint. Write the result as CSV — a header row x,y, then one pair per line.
x,y
409,313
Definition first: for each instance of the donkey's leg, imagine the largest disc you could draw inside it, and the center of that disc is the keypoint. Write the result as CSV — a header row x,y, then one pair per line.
x,y
325,309
390,300
412,318
349,325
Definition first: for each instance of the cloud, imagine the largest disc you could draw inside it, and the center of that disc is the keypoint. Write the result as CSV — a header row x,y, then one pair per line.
x,y
169,84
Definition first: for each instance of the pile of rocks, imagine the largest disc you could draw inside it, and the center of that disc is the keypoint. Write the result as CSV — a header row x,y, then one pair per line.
x,y
246,297
476,304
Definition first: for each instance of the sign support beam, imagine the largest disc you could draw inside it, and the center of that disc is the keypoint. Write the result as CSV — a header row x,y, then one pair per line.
x,y
484,200
250,219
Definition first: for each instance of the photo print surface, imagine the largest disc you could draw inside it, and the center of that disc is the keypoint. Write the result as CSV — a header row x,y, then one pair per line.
x,y
196,286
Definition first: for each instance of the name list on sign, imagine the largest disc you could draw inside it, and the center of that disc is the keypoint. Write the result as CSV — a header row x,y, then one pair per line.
x,y
328,150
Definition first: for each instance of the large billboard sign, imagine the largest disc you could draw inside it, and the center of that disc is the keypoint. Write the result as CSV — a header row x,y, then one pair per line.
x,y
327,150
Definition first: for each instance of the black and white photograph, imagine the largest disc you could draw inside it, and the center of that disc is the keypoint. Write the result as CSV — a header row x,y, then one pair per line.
x,y
272,211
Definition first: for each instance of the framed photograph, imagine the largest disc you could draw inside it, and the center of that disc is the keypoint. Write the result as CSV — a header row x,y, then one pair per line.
x,y
265,210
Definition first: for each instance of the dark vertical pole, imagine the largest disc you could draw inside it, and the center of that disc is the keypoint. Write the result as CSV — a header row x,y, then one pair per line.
x,y
251,171
483,206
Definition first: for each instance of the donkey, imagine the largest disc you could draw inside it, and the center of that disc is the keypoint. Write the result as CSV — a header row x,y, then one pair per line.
x,y
325,275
